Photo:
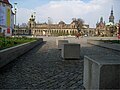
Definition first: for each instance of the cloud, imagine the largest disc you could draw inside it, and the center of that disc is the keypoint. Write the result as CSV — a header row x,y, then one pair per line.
x,y
67,9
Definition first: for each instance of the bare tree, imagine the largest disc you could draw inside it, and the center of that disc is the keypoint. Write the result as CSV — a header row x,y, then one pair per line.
x,y
78,23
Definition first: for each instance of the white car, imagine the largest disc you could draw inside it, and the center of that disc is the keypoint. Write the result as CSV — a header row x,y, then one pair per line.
x,y
85,35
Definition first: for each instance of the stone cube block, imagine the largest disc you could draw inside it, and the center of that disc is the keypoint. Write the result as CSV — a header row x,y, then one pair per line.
x,y
71,51
101,72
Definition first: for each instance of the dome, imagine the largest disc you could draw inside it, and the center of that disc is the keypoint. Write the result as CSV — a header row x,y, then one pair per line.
x,y
74,22
61,22
111,17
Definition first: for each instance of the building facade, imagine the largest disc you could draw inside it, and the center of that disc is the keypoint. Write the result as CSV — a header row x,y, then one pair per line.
x,y
49,29
106,29
6,18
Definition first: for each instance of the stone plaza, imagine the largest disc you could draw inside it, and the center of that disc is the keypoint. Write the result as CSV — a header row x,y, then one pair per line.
x,y
44,68
69,54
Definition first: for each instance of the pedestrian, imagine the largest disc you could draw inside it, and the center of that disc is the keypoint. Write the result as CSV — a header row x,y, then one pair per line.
x,y
77,35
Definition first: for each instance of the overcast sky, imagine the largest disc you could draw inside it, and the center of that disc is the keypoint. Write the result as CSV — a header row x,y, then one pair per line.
x,y
89,10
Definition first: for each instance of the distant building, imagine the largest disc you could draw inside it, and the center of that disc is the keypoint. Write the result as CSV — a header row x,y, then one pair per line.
x,y
6,18
100,27
49,29
118,28
106,29
23,25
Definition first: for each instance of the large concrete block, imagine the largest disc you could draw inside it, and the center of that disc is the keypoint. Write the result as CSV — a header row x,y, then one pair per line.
x,y
71,51
61,43
101,72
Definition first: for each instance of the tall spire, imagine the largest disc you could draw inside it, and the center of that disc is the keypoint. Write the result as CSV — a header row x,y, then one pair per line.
x,y
101,19
112,11
111,18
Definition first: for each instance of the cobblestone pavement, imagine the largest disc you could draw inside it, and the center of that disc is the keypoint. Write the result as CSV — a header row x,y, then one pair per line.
x,y
43,68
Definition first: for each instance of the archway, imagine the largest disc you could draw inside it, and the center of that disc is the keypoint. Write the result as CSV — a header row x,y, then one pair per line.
x,y
44,32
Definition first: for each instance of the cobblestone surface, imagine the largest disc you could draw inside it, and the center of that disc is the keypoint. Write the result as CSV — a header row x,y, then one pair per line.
x,y
43,68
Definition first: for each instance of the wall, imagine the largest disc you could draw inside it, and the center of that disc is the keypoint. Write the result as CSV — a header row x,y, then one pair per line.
x,y
8,55
6,18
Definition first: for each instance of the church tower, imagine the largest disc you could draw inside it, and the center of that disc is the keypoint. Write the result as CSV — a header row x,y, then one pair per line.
x,y
31,24
111,18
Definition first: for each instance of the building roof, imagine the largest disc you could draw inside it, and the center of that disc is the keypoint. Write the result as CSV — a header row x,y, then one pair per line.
x,y
61,22
85,27
110,23
6,2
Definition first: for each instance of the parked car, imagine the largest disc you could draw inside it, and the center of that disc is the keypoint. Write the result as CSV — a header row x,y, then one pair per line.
x,y
85,35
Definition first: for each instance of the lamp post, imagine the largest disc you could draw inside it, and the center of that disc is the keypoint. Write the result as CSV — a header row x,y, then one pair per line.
x,y
49,24
15,11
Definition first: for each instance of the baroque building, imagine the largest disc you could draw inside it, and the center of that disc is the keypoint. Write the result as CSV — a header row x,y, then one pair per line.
x,y
100,27
49,29
6,18
106,29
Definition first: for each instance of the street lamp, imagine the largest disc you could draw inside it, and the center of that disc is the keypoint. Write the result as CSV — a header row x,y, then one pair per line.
x,y
15,11
49,24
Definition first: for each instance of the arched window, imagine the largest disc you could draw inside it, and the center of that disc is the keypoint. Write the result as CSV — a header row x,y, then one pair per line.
x,y
67,31
30,25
